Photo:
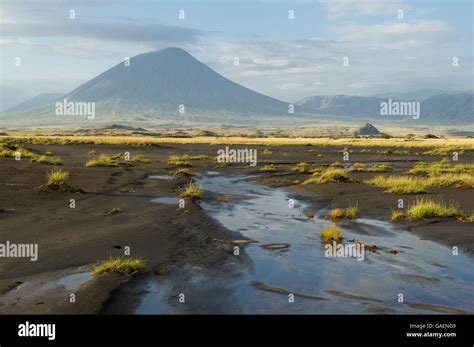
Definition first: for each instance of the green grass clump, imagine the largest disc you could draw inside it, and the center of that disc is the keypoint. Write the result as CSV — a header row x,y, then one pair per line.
x,y
396,216
329,175
57,178
444,151
336,165
92,152
191,190
182,171
398,184
44,159
268,168
351,212
336,213
301,167
331,233
429,208
140,159
102,161
126,266
470,218
198,157
179,161
267,152
438,168
358,167
347,213
380,168
418,185
450,180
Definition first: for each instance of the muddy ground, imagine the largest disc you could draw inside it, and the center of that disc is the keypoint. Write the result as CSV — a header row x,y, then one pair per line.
x,y
73,240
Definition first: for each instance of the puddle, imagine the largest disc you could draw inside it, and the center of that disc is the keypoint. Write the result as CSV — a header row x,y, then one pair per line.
x,y
161,177
71,282
319,284
212,173
166,200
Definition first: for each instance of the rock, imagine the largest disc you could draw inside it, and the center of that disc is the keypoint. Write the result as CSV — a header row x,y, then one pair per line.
x,y
367,130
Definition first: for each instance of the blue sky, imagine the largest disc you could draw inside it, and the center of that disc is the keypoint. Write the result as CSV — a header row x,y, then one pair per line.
x,y
283,58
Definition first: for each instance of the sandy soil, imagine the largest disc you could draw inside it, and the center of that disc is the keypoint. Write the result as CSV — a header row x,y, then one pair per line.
x,y
73,240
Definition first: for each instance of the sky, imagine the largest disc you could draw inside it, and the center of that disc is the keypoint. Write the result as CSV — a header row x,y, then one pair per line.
x,y
286,58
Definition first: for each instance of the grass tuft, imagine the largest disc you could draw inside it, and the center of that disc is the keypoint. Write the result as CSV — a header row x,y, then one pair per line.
x,y
329,175
428,208
191,190
301,167
140,159
126,266
396,216
268,168
331,233
44,159
179,161
58,178
102,161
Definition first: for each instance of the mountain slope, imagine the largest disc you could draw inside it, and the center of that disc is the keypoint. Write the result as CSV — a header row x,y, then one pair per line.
x,y
439,109
155,85
37,101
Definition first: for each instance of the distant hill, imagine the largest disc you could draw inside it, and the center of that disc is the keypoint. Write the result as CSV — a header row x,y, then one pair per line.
x,y
441,109
448,109
421,94
367,130
154,86
37,101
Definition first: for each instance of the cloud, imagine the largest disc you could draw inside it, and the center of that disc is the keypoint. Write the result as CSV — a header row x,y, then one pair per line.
x,y
114,32
50,18
428,30
337,8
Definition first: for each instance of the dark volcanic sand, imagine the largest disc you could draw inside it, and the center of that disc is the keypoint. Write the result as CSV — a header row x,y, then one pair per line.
x,y
73,240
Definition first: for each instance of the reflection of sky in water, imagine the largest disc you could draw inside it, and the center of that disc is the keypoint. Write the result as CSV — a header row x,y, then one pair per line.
x,y
303,268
